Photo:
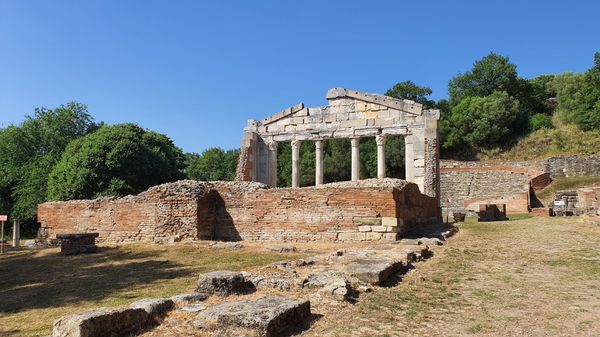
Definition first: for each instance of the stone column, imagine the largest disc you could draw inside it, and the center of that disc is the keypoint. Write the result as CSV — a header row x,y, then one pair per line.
x,y
409,160
355,159
380,140
319,162
295,163
272,163
16,233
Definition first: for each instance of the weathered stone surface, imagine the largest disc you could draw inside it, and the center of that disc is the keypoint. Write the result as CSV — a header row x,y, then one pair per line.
x,y
282,248
189,298
330,284
155,307
195,307
102,322
223,283
226,245
283,281
270,316
372,270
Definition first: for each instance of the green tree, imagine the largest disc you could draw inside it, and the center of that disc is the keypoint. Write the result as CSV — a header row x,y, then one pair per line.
x,y
540,121
484,122
214,164
115,160
30,150
409,90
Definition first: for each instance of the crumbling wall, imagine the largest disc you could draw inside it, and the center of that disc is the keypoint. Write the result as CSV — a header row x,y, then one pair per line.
x,y
166,212
383,209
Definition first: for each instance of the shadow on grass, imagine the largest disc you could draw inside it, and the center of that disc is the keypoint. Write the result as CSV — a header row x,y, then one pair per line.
x,y
37,279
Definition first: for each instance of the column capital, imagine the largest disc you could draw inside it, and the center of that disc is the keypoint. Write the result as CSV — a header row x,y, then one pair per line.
x,y
295,142
355,141
272,145
380,139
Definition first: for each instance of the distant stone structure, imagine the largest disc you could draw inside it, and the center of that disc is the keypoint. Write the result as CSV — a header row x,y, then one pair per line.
x,y
352,115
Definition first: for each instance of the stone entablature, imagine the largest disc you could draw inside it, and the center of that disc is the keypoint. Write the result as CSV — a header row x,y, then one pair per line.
x,y
351,115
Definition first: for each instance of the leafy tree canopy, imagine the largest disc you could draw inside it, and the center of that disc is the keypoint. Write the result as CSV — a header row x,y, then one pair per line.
x,y
30,150
409,90
484,122
213,164
115,160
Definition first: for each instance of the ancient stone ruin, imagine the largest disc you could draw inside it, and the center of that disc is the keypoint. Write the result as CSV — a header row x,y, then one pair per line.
x,y
252,209
352,115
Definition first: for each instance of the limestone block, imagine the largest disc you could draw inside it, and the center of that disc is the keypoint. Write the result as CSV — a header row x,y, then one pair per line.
x,y
352,236
314,119
290,128
389,221
274,128
330,117
419,171
372,270
419,162
373,236
364,228
223,283
393,229
296,120
315,111
390,236
157,308
301,113
368,221
384,114
353,123
342,116
379,229
370,122
102,322
269,316
189,298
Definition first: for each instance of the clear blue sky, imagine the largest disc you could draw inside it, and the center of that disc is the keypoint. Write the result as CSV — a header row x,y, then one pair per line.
x,y
197,70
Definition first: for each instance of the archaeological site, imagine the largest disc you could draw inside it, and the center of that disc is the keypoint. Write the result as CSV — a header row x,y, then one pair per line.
x,y
375,230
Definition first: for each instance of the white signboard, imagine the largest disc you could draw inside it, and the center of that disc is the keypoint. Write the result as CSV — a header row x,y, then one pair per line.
x,y
559,202
3,217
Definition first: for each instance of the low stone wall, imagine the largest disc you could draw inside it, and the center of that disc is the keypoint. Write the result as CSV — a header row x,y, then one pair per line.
x,y
572,166
247,211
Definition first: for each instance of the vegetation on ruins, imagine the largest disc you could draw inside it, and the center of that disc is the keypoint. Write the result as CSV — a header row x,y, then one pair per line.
x,y
115,160
213,164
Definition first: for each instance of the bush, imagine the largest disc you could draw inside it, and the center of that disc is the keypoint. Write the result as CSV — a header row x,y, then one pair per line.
x,y
115,160
540,121
484,122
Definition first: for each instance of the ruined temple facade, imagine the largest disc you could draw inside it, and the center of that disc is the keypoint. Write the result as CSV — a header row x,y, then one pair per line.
x,y
352,115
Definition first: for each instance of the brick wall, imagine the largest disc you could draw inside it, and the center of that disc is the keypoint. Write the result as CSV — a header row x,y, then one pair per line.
x,y
246,211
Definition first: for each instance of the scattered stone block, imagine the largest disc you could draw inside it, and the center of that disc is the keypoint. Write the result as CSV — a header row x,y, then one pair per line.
x,y
196,307
330,284
221,282
189,298
102,322
157,308
372,270
77,243
282,248
270,316
226,245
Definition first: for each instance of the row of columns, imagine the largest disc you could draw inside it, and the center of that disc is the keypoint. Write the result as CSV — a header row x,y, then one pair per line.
x,y
355,143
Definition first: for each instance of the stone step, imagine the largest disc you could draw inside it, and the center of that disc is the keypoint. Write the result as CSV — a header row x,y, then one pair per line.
x,y
269,316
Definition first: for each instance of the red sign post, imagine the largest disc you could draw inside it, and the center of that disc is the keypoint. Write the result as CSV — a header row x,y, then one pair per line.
x,y
2,219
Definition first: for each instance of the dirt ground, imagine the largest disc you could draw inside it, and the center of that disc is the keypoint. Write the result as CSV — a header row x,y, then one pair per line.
x,y
531,277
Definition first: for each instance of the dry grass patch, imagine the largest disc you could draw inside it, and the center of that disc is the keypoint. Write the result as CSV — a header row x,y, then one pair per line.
x,y
37,287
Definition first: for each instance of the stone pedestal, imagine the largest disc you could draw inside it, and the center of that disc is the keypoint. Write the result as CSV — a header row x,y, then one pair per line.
x,y
16,233
355,142
318,162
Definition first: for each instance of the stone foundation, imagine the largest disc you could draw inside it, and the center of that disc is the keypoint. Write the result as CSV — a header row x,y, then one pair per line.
x,y
367,210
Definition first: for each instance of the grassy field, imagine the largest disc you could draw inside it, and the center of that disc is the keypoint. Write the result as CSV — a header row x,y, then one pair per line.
x,y
37,287
524,277
530,277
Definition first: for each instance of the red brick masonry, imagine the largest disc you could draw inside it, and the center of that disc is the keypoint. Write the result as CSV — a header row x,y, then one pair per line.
x,y
352,211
